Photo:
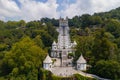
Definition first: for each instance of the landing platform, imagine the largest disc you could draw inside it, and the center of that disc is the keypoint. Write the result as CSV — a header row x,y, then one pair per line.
x,y
63,71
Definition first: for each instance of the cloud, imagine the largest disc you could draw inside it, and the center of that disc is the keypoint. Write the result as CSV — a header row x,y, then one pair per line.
x,y
8,8
89,6
34,9
28,9
2,18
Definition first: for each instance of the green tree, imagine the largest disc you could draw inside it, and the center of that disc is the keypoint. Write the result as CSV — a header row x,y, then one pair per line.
x,y
113,26
21,23
24,57
52,30
96,20
11,25
39,41
85,20
108,69
84,46
47,39
103,48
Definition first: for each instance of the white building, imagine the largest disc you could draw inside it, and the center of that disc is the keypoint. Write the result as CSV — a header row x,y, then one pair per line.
x,y
63,43
47,63
54,52
81,63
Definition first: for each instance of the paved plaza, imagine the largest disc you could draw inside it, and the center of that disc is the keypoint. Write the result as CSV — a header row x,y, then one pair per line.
x,y
58,62
69,71
63,71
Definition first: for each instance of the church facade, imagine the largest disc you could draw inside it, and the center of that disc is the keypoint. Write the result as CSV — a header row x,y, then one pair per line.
x,y
63,44
62,48
47,63
81,63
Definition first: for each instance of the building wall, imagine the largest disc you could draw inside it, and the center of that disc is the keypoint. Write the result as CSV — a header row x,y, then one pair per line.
x,y
47,66
81,66
64,41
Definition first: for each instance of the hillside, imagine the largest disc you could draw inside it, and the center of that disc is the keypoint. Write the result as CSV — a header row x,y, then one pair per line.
x,y
115,14
23,45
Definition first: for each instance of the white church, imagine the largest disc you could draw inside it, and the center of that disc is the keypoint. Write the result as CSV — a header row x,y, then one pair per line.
x,y
47,63
62,48
63,42
81,63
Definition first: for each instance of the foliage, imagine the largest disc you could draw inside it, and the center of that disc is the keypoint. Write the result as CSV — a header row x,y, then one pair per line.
x,y
38,41
53,77
107,49
23,57
107,69
80,77
97,36
115,14
84,46
113,26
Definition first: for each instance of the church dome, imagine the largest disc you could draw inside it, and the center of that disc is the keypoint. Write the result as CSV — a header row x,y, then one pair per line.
x,y
74,43
81,59
54,43
47,59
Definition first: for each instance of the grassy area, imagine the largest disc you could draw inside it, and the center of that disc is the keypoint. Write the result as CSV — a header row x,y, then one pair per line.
x,y
46,75
2,78
80,77
74,77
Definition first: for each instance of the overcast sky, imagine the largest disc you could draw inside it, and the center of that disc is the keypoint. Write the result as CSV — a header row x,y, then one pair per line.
x,y
35,9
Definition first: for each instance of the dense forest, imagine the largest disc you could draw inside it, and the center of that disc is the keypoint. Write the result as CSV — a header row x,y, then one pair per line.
x,y
24,45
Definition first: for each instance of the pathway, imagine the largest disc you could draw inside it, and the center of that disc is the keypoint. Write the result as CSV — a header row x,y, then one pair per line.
x,y
63,71
69,71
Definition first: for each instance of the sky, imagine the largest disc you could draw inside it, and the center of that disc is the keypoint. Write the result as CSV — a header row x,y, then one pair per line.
x,y
35,9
